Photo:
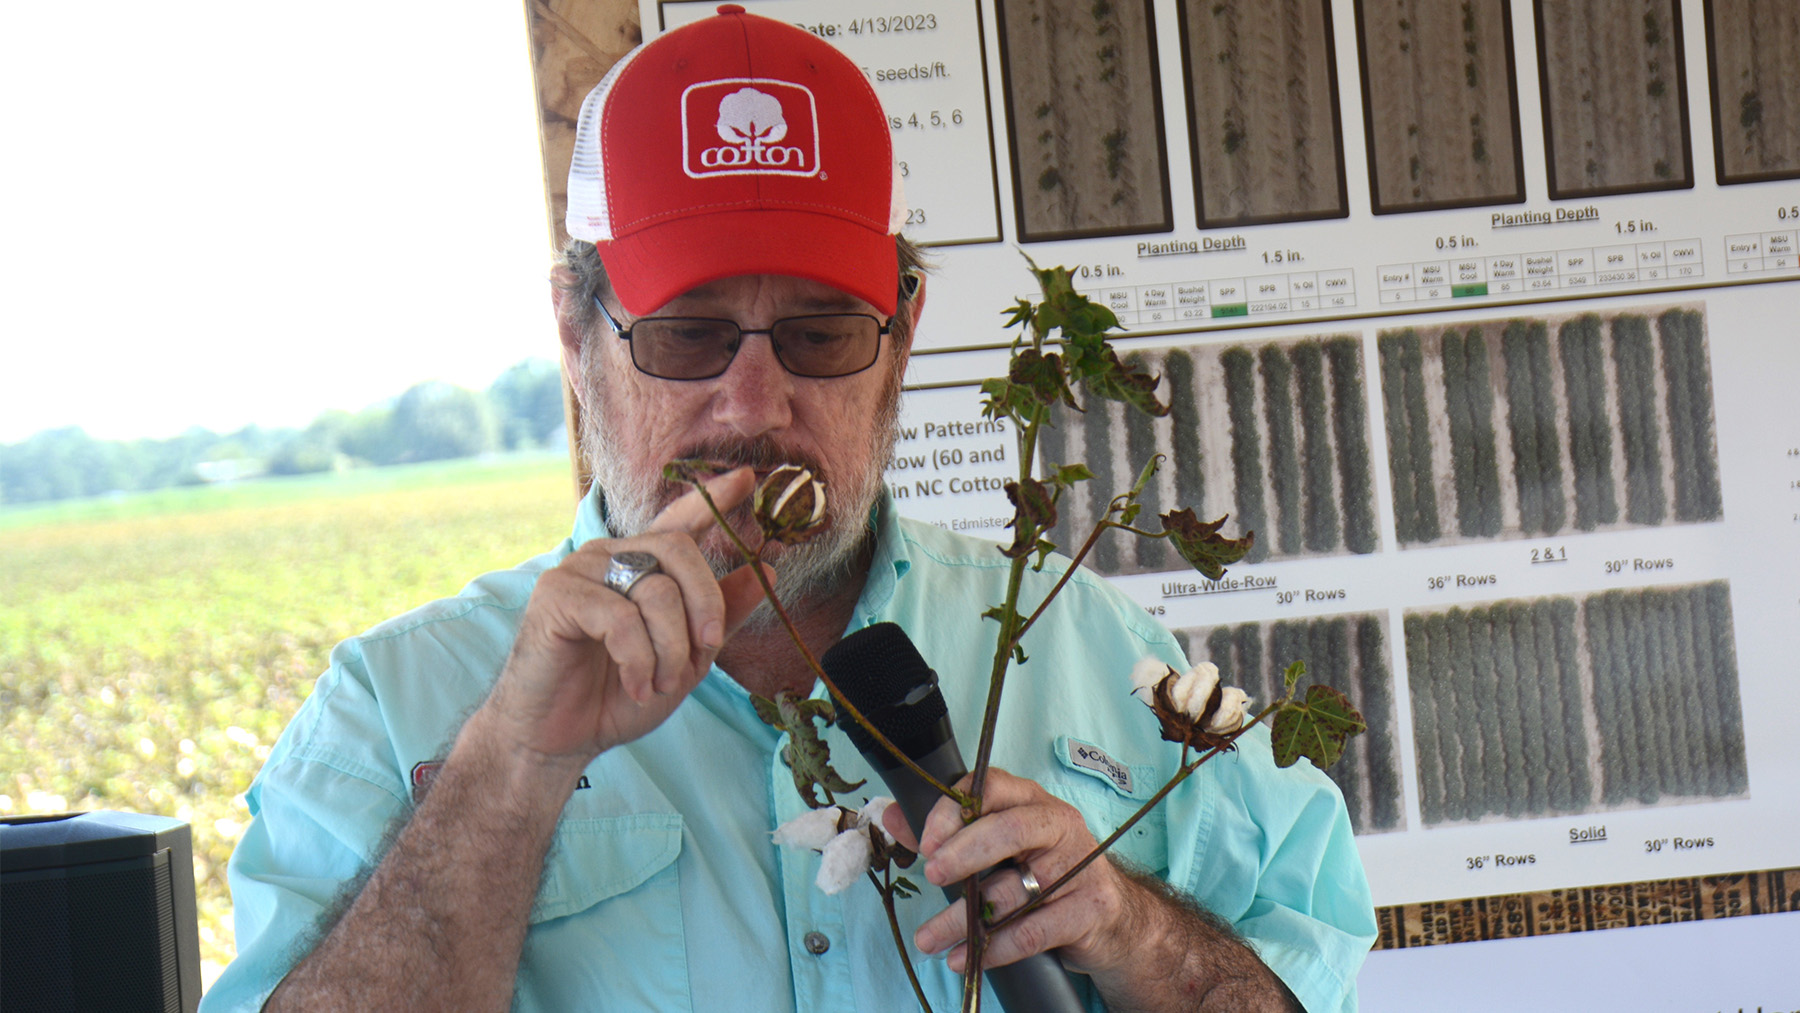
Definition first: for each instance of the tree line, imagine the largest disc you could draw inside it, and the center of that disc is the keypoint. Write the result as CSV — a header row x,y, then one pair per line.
x,y
431,421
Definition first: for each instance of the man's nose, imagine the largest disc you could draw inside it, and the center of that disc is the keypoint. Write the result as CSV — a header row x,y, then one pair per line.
x,y
756,392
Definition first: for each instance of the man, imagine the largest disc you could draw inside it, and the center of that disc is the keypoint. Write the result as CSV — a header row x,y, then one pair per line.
x,y
580,794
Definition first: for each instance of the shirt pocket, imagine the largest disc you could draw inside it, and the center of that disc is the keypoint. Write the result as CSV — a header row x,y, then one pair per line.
x,y
606,929
1106,799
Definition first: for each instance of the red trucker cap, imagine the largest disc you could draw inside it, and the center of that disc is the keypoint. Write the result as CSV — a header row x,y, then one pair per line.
x,y
736,145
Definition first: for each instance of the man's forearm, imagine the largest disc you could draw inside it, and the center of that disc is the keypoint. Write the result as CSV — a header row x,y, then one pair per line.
x,y
441,921
1187,959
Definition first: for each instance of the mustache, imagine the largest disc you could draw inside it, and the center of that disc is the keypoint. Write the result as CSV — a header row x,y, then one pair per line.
x,y
763,454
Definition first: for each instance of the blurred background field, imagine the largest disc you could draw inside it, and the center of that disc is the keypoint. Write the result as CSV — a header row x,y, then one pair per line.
x,y
153,646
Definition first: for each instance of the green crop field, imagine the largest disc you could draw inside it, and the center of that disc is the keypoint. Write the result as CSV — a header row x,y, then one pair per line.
x,y
153,647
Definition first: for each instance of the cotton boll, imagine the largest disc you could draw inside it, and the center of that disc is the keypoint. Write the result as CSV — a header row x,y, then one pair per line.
x,y
1191,692
870,815
1234,706
811,829
846,856
1146,674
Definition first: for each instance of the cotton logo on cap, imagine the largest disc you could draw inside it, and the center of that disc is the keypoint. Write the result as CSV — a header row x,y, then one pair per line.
x,y
749,127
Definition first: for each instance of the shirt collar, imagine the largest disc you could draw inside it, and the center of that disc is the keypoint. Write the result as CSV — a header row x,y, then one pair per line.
x,y
590,519
893,558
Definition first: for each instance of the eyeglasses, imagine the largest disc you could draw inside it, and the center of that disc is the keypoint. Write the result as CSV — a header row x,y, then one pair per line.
x,y
699,348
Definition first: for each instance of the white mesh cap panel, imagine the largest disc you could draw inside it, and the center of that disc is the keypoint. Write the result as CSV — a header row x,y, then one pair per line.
x,y
588,216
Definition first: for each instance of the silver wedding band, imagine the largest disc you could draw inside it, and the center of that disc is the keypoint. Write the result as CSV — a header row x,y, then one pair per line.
x,y
1028,880
627,568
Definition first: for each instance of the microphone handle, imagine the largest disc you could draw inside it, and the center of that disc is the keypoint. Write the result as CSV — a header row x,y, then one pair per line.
x,y
1037,984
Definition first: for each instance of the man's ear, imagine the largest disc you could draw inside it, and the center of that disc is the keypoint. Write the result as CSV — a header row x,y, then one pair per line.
x,y
916,309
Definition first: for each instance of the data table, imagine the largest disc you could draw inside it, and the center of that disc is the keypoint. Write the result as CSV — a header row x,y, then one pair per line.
x,y
1544,271
1252,296
1761,253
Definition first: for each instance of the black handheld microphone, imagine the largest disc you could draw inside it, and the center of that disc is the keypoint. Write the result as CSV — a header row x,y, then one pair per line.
x,y
881,672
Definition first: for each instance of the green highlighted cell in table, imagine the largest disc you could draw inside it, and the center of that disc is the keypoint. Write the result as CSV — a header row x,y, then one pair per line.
x,y
1238,309
1466,291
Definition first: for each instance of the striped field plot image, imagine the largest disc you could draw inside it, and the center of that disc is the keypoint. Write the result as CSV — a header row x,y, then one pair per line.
x,y
1615,96
1754,51
1263,110
1440,106
1273,434
1085,109
1346,652
1575,704
1525,427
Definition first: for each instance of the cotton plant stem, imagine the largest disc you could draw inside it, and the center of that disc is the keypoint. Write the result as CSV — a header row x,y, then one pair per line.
x,y
1074,564
1143,810
893,917
977,936
755,561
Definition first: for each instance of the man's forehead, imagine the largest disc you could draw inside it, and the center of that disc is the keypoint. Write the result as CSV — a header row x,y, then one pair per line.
x,y
785,290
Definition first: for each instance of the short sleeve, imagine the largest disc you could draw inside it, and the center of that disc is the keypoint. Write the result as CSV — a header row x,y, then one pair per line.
x,y
1278,860
319,816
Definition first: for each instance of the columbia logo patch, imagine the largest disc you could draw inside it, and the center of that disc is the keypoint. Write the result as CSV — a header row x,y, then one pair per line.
x,y
749,127
1092,757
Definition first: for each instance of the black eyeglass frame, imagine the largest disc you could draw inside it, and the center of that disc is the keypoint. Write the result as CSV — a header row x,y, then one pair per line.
x,y
624,334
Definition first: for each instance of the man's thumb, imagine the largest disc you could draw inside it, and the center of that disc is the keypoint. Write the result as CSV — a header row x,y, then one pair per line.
x,y
742,594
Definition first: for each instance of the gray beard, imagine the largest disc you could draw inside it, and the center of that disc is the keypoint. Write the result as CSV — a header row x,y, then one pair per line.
x,y
819,568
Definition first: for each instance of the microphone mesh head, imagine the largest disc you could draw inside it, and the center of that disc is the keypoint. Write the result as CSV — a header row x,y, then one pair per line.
x,y
882,673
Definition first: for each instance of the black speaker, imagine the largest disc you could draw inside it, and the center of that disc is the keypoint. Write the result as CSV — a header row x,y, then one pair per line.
x,y
97,914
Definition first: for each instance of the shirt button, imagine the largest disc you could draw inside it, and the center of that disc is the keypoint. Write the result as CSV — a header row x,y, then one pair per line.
x,y
817,943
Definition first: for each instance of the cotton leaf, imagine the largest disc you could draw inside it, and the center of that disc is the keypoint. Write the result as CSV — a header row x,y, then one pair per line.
x,y
807,755
1201,544
1315,727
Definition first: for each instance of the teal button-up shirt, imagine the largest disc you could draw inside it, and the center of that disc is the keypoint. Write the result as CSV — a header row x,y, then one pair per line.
x,y
662,890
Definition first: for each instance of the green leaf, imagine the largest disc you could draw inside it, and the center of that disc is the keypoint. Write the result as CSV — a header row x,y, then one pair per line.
x,y
1293,674
1044,547
807,755
1145,475
904,887
1067,475
767,710
1019,313
1004,398
1131,496
999,614
1104,375
1201,544
1316,727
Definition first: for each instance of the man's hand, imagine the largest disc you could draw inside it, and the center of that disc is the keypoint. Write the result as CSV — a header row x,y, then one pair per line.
x,y
1145,948
1042,833
592,668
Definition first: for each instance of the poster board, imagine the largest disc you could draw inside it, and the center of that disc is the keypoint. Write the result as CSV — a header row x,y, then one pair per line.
x,y
1483,315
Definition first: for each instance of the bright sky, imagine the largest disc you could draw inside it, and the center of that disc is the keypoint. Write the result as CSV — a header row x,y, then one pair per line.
x,y
217,213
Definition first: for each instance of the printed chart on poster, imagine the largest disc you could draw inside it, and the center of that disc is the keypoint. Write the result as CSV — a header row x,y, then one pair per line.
x,y
1481,315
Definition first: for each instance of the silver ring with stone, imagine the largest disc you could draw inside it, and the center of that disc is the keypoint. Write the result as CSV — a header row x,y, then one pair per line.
x,y
627,568
1028,880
